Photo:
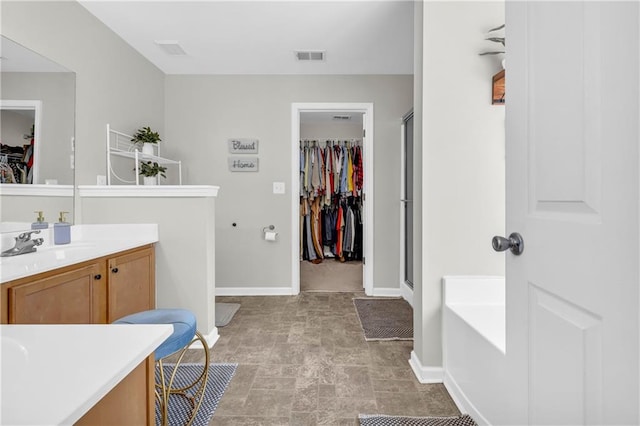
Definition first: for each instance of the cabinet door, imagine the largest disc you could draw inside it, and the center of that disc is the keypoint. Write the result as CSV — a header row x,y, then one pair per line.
x,y
131,285
66,298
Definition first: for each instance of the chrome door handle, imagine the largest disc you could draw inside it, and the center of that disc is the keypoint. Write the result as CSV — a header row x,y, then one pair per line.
x,y
515,243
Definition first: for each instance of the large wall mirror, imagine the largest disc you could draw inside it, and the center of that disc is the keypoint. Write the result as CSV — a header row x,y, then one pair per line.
x,y
37,128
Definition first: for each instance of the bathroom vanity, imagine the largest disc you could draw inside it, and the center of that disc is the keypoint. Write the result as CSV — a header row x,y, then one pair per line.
x,y
76,368
95,291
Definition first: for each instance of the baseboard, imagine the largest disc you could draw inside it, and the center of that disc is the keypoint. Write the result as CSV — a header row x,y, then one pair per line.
x,y
425,374
254,291
211,338
462,402
407,293
386,292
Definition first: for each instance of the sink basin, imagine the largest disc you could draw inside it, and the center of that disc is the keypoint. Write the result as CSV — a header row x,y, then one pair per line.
x,y
65,248
44,259
53,252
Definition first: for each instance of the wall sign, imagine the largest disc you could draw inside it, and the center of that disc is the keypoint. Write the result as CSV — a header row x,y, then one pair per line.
x,y
243,164
243,146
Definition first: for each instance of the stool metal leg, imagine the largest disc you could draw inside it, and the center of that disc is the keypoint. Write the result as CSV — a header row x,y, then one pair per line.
x,y
165,389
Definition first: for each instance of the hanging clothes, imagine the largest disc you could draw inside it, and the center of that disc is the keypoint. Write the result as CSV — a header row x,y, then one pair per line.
x,y
331,182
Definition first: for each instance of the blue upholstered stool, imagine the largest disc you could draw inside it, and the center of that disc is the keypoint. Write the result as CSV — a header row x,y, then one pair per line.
x,y
184,334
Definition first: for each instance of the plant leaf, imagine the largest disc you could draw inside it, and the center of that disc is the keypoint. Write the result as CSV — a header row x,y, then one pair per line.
x,y
497,28
490,53
496,39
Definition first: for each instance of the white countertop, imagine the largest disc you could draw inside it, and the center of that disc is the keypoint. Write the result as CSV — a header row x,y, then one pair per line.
x,y
87,242
53,374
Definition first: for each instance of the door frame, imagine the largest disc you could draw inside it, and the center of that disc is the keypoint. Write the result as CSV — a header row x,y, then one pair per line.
x,y
36,107
405,291
365,108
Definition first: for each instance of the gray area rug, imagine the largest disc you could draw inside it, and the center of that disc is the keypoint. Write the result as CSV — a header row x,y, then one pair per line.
x,y
382,420
180,408
385,319
225,312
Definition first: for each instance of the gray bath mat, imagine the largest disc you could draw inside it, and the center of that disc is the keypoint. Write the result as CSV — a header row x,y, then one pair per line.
x,y
385,319
225,312
180,407
383,420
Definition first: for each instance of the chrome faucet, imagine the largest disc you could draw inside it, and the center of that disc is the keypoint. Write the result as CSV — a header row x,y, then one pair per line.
x,y
24,244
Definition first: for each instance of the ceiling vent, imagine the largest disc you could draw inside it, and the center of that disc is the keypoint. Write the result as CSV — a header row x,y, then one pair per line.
x,y
310,55
171,47
342,117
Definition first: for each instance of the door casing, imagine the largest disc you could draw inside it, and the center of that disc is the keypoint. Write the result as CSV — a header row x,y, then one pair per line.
x,y
367,110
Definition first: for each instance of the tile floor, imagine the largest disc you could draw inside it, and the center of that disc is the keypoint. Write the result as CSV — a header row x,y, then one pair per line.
x,y
331,275
303,360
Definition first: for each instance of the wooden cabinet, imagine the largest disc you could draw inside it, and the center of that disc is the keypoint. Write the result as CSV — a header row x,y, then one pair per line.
x,y
65,298
93,292
130,403
131,279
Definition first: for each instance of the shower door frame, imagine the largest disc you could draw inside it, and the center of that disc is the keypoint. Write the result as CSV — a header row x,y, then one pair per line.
x,y
366,108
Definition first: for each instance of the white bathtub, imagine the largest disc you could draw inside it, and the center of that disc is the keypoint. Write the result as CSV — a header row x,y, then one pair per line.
x,y
473,330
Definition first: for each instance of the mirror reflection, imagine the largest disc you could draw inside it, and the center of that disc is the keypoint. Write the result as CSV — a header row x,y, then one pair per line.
x,y
37,123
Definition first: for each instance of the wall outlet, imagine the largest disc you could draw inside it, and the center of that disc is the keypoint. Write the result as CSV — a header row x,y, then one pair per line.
x,y
102,180
278,187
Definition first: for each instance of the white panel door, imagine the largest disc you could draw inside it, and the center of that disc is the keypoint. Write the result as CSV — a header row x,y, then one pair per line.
x,y
572,193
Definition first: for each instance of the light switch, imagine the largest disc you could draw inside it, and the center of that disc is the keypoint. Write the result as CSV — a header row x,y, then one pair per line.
x,y
278,187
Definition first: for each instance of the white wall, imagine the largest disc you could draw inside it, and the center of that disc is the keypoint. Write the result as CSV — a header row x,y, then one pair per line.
x,y
57,91
418,323
463,188
331,130
14,126
114,83
17,208
204,111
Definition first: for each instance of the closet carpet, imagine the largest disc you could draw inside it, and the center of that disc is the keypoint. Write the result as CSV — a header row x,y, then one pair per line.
x,y
331,275
302,360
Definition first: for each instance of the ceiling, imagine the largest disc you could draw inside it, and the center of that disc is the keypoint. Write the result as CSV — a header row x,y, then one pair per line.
x,y
260,37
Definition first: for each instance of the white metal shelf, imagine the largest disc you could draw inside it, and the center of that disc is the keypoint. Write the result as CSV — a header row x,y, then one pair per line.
x,y
120,145
143,157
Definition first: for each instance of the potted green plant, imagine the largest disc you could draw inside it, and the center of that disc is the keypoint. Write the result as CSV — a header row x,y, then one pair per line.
x,y
150,171
146,137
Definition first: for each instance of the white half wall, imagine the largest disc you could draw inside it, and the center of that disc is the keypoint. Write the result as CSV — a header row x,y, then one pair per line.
x,y
185,252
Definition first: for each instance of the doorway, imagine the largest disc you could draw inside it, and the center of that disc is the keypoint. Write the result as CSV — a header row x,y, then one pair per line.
x,y
307,126
331,207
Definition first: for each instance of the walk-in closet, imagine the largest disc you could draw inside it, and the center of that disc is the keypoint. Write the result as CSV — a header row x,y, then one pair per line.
x,y
17,146
331,196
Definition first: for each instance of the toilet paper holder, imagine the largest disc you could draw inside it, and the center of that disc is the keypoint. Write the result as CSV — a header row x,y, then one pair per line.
x,y
269,233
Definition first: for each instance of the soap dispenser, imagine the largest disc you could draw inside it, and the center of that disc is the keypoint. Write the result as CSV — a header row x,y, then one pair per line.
x,y
39,223
62,230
